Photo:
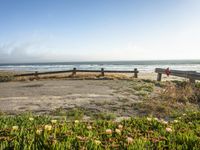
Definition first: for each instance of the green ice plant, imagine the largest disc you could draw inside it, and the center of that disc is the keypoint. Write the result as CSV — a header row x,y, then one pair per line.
x,y
43,132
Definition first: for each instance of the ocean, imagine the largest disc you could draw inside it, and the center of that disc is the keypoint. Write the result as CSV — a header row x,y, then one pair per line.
x,y
142,66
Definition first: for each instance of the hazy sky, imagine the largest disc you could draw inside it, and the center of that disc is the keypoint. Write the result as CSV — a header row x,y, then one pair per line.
x,y
88,30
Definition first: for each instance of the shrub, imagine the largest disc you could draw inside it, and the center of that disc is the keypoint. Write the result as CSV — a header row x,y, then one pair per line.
x,y
181,92
5,77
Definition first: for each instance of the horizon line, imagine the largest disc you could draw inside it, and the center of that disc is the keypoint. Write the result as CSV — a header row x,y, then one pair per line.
x,y
147,60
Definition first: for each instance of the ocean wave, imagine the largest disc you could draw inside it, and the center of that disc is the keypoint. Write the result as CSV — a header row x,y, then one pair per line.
x,y
142,68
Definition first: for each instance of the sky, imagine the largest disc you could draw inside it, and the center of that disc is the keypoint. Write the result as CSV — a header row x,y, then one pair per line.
x,y
98,30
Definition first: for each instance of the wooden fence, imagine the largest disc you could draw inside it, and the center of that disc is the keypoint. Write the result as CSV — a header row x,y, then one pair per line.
x,y
74,71
191,75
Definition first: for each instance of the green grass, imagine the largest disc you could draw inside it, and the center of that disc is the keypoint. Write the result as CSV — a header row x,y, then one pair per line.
x,y
142,86
104,116
40,132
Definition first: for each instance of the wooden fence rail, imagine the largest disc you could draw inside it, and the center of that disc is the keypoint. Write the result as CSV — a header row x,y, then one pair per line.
x,y
191,75
74,71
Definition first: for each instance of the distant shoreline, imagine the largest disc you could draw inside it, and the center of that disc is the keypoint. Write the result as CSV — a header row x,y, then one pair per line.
x,y
142,66
138,62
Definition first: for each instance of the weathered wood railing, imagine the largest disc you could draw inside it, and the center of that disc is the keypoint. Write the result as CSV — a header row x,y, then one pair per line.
x,y
191,75
74,71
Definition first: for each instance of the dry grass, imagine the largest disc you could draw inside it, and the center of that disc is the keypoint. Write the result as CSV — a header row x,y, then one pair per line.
x,y
6,76
80,76
182,92
175,98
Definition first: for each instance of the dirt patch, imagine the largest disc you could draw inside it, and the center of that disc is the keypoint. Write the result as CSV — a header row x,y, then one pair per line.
x,y
33,85
119,97
116,96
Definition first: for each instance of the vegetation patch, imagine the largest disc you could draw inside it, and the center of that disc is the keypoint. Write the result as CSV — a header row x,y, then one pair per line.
x,y
40,132
140,85
75,113
6,76
181,92
58,112
78,76
104,116
173,99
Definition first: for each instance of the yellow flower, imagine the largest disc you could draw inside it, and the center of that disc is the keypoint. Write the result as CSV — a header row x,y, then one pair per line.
x,y
163,121
168,129
118,131
15,128
149,119
89,127
31,118
108,131
48,127
54,121
175,121
38,131
129,140
156,119
97,142
120,126
76,121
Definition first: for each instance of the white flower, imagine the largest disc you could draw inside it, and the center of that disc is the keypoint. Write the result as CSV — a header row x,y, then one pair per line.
x,y
129,140
38,131
108,131
89,127
184,114
15,128
54,121
31,118
118,131
48,127
163,121
120,126
168,129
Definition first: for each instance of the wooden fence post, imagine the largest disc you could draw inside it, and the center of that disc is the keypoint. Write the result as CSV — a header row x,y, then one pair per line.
x,y
102,71
159,76
36,74
74,71
192,80
135,73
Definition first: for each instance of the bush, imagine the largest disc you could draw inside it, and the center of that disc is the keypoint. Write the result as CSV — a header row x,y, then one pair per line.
x,y
5,77
182,92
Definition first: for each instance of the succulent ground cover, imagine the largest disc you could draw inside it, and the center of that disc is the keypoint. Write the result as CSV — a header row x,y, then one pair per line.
x,y
42,132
